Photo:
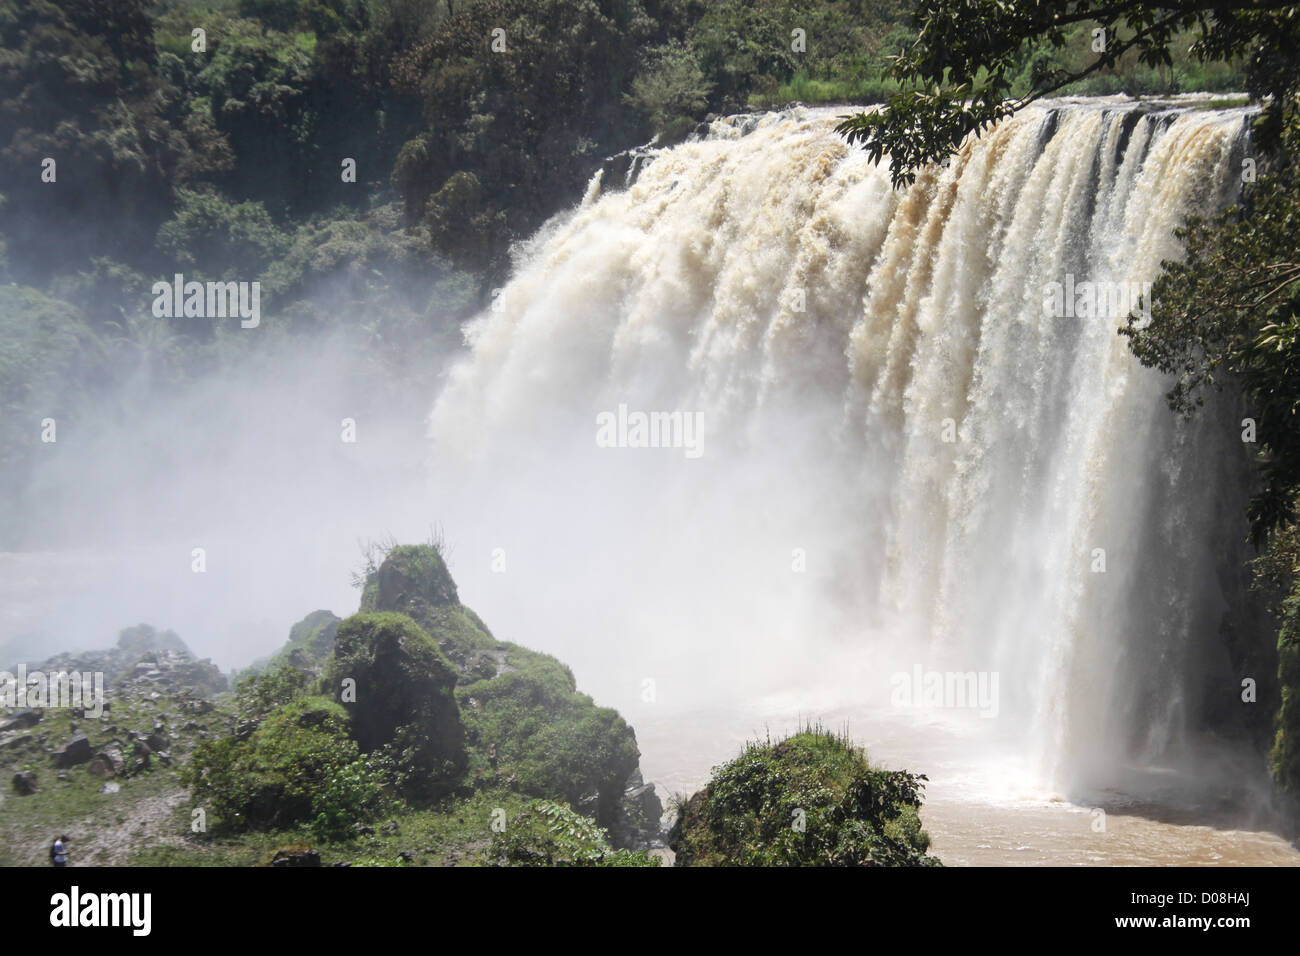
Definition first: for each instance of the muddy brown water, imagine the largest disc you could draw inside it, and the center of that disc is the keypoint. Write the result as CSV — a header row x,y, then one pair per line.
x,y
992,814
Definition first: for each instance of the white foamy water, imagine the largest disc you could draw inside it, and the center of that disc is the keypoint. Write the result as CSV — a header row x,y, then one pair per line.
x,y
904,463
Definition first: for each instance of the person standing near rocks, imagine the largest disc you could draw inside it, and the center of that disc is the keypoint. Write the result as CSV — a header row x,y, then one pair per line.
x,y
59,851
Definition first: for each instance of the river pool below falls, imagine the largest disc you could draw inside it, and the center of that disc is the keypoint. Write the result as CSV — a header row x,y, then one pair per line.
x,y
988,812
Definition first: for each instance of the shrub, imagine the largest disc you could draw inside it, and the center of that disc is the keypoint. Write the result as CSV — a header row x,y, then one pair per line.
x,y
298,766
546,833
809,800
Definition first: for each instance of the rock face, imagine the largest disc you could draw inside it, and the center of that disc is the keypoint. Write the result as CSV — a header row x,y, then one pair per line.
x,y
622,170
638,822
404,696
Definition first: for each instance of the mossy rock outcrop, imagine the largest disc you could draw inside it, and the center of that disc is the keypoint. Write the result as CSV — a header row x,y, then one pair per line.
x,y
310,644
278,775
436,688
809,800
404,698
414,580
530,724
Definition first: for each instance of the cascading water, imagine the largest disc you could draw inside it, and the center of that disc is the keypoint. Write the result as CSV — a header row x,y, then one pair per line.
x,y
905,461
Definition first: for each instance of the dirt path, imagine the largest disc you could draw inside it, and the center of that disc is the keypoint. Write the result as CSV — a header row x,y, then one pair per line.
x,y
97,840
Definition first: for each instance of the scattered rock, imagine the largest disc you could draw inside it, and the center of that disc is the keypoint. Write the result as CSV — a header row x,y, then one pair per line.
x,y
110,787
406,856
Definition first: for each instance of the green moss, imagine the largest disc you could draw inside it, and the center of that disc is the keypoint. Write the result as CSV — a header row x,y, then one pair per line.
x,y
401,698
310,644
809,800
414,580
459,632
288,771
550,739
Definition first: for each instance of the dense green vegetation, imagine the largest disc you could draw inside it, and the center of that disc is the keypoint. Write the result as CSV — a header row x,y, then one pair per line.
x,y
411,707
546,833
809,800
280,774
299,765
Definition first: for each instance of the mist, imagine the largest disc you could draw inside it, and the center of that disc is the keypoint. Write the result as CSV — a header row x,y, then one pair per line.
x,y
251,466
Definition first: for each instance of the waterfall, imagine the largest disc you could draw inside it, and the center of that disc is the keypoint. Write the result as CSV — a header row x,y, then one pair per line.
x,y
906,458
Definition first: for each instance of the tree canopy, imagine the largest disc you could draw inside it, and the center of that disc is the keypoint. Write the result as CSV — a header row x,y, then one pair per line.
x,y
959,72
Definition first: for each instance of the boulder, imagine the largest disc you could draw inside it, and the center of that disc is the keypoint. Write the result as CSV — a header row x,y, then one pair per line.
x,y
21,720
109,762
294,857
24,782
76,751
